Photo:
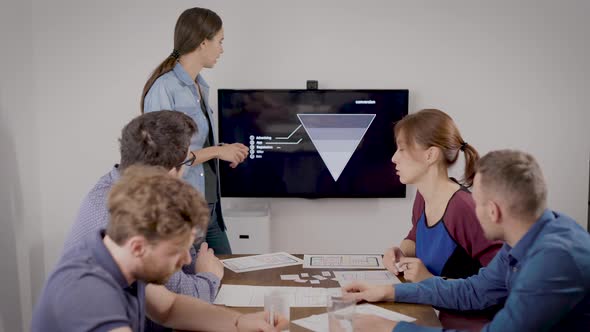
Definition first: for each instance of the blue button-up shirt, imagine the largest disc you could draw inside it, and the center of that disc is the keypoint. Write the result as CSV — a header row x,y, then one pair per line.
x,y
176,91
543,282
88,292
94,215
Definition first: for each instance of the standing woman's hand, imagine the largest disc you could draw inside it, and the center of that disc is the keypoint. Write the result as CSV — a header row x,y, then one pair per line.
x,y
233,153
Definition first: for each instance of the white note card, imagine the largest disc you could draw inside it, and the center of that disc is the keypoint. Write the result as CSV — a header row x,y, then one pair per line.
x,y
289,276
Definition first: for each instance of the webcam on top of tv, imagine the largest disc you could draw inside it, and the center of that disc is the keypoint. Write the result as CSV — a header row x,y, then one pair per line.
x,y
312,85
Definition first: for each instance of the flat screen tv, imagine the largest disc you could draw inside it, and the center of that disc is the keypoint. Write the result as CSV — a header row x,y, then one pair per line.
x,y
311,143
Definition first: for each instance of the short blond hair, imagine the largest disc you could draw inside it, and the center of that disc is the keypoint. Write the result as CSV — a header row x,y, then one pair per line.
x,y
148,201
518,178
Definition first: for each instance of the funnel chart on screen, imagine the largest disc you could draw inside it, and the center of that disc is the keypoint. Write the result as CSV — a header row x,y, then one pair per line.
x,y
335,137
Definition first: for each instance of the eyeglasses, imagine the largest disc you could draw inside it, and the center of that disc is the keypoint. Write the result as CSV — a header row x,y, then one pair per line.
x,y
189,162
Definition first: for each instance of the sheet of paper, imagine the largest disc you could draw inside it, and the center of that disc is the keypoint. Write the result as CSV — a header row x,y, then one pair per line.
x,y
261,262
319,323
314,281
370,277
343,262
319,277
316,323
304,275
253,296
326,274
289,276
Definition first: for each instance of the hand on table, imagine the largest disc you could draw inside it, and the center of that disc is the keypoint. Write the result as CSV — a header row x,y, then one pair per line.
x,y
360,291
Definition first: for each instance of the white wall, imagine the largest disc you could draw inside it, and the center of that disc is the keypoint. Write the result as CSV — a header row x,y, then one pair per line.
x,y
511,75
21,243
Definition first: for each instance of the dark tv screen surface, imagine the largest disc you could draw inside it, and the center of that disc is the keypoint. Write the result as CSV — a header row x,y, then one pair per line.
x,y
311,143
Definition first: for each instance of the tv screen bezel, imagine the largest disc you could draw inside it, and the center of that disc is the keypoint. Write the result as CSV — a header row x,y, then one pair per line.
x,y
403,187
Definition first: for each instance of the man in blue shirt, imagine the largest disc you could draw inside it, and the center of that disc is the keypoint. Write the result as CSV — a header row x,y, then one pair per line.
x,y
541,275
102,283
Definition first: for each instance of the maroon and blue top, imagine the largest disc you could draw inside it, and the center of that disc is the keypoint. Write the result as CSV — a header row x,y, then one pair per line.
x,y
455,246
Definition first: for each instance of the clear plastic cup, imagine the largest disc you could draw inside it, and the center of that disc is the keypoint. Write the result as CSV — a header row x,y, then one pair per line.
x,y
340,314
277,303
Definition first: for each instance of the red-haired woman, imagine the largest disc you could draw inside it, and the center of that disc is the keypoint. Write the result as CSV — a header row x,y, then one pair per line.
x,y
446,238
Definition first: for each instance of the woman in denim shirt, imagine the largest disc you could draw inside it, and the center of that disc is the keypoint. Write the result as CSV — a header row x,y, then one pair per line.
x,y
177,85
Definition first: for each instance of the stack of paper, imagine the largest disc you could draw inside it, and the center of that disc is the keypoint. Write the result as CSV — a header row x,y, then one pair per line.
x,y
253,296
319,323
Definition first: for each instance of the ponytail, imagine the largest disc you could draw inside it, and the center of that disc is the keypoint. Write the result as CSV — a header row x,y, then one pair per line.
x,y
166,66
471,158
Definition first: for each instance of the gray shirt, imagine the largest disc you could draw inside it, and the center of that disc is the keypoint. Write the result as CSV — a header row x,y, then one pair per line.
x,y
88,292
94,215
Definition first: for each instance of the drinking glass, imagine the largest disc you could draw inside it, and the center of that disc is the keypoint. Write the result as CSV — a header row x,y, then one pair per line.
x,y
340,314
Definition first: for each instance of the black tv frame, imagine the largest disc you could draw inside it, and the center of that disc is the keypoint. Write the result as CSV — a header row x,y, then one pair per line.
x,y
401,193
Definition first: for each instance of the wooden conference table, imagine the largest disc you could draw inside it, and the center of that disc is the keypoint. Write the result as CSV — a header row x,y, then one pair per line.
x,y
424,314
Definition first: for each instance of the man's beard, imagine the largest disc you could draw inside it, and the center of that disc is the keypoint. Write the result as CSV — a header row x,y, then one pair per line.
x,y
157,279
154,276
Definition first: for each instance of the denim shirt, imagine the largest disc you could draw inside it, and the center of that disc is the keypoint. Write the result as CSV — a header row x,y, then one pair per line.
x,y
176,91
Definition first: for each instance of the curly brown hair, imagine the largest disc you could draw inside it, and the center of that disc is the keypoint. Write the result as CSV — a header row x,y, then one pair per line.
x,y
148,201
157,139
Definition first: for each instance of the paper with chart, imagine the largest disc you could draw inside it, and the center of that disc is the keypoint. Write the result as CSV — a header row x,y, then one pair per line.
x,y
261,262
343,262
319,323
253,296
370,277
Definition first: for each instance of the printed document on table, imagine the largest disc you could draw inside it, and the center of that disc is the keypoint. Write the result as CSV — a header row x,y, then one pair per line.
x,y
370,277
261,262
319,323
343,262
253,296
